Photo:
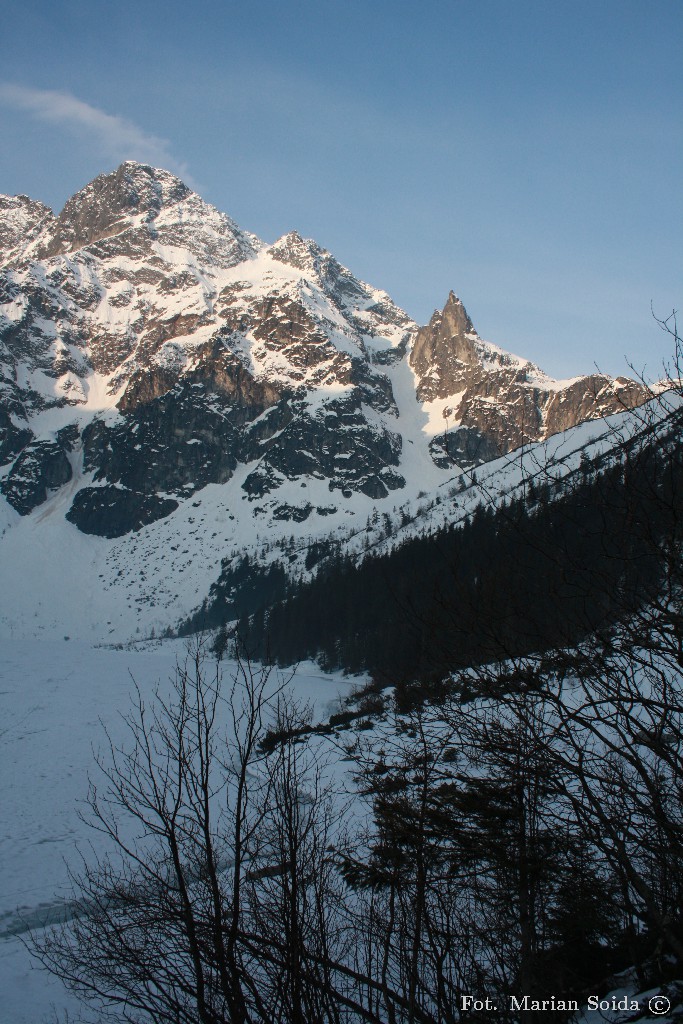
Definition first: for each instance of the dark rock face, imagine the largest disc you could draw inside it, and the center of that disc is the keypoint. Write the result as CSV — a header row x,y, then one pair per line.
x,y
173,443
13,439
336,443
180,439
293,513
113,511
194,434
42,466
465,447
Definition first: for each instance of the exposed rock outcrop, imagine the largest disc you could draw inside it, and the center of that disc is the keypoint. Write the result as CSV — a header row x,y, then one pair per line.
x,y
492,401
181,350
41,467
115,511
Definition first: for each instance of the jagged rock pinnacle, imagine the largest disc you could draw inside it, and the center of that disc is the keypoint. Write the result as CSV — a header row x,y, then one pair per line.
x,y
447,342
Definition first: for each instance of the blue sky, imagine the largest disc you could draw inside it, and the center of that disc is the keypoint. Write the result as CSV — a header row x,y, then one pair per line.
x,y
526,153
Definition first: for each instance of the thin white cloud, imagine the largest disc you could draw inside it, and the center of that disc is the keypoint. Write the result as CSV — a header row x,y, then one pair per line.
x,y
117,138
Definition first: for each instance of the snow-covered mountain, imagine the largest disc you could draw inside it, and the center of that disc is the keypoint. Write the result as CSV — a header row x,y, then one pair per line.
x,y
174,391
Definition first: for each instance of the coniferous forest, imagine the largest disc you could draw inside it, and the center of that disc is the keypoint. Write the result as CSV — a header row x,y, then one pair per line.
x,y
545,570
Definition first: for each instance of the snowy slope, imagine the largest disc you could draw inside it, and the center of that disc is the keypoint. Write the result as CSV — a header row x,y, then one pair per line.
x,y
62,582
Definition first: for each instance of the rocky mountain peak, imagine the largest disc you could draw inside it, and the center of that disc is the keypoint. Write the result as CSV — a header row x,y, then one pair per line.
x,y
105,206
338,283
174,350
455,312
493,401
302,253
443,348
22,221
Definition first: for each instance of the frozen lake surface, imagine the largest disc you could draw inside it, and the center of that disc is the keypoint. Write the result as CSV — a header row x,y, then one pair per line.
x,y
56,697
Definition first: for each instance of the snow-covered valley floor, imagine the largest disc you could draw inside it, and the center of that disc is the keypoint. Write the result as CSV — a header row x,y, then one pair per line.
x,y
56,697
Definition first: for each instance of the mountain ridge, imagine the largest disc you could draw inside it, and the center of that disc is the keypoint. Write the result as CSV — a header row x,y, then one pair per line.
x,y
150,349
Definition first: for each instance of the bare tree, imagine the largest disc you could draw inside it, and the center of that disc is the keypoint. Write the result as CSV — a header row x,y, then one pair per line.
x,y
219,900
156,923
